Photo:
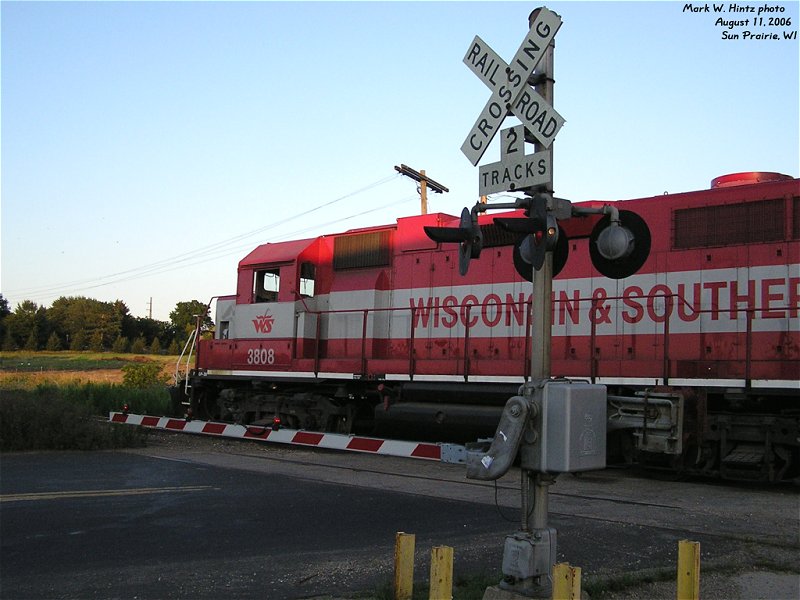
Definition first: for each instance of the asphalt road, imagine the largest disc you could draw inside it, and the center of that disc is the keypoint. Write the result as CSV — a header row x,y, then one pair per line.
x,y
279,523
119,525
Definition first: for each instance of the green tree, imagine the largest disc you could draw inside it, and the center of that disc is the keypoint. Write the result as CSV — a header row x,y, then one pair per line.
x,y
174,348
149,329
100,322
28,318
9,345
184,318
138,346
78,341
5,310
155,347
120,344
96,341
54,343
32,343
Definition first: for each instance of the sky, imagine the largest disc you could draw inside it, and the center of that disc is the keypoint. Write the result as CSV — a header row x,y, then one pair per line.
x,y
147,147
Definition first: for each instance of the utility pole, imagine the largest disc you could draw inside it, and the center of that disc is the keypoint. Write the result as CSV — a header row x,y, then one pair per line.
x,y
424,182
150,308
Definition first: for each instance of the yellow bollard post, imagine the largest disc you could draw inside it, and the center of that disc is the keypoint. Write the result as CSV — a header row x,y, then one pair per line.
x,y
688,570
441,573
404,565
566,582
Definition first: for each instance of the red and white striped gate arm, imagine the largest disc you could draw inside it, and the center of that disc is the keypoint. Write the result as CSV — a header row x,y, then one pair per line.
x,y
333,441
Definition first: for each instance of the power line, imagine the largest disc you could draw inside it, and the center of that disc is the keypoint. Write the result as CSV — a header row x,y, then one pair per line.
x,y
231,251
211,252
203,249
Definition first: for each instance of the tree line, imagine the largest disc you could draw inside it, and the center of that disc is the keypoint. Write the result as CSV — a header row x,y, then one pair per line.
x,y
80,323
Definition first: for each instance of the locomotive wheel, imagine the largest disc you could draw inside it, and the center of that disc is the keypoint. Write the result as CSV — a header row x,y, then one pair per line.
x,y
207,408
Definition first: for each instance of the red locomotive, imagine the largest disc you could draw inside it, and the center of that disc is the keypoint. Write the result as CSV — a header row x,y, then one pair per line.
x,y
699,350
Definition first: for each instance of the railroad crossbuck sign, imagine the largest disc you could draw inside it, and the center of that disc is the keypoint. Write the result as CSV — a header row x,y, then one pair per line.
x,y
511,93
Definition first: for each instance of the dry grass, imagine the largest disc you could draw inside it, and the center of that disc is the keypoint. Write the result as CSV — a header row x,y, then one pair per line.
x,y
71,368
31,380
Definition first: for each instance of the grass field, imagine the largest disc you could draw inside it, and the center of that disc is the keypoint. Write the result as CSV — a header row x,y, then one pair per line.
x,y
52,400
26,370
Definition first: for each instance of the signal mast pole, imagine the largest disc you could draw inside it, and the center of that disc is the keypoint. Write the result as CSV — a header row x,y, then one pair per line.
x,y
535,485
543,278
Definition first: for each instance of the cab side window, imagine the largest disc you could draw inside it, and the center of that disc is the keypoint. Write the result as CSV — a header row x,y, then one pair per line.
x,y
307,276
266,284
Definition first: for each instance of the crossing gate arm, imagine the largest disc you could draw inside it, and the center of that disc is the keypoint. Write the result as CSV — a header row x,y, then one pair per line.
x,y
449,453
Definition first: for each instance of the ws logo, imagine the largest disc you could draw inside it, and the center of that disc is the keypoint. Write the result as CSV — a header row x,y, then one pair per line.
x,y
263,323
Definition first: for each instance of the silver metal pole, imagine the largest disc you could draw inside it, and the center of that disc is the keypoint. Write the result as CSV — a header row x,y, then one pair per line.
x,y
535,493
541,331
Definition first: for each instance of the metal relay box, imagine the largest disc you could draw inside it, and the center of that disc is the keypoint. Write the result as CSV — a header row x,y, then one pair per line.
x,y
571,429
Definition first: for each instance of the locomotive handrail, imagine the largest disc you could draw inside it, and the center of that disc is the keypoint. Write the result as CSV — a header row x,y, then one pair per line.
x,y
191,343
466,344
667,370
317,342
364,342
748,351
411,360
411,339
669,299
750,311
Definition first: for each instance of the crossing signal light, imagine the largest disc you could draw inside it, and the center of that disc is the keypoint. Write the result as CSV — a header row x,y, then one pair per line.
x,y
619,248
540,233
468,234
523,253
619,244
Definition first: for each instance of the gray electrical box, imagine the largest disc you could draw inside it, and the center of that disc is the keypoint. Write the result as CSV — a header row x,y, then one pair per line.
x,y
571,428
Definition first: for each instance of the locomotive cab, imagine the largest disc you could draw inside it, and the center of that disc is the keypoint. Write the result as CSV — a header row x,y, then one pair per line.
x,y
268,328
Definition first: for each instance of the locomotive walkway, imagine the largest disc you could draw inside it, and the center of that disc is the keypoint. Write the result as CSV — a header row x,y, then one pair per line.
x,y
207,518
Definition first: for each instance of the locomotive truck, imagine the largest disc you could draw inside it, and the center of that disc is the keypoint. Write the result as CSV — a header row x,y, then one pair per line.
x,y
374,331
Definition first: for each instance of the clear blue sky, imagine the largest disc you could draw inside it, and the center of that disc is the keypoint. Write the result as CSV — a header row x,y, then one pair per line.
x,y
147,147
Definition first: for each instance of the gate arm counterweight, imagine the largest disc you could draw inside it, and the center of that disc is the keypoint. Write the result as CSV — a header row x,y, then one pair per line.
x,y
500,456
